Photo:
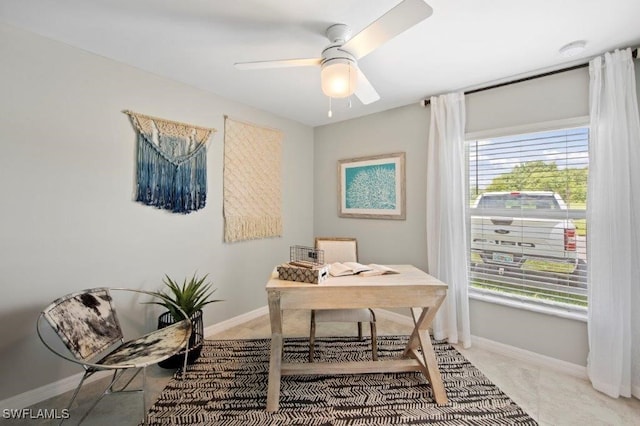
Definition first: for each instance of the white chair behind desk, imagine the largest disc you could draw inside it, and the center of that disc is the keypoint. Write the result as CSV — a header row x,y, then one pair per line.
x,y
341,250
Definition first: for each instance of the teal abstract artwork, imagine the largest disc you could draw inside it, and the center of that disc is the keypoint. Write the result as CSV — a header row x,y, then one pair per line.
x,y
371,187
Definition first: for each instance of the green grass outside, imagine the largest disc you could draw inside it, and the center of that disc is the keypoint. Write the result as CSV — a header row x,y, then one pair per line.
x,y
581,224
548,266
581,227
536,265
543,294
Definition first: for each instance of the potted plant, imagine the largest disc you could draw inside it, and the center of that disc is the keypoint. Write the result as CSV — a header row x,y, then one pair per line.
x,y
191,296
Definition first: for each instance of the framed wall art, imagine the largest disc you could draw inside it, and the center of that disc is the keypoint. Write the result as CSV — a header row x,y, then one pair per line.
x,y
372,187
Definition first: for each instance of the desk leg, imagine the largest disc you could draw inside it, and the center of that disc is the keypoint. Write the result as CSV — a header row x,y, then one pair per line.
x,y
275,362
420,339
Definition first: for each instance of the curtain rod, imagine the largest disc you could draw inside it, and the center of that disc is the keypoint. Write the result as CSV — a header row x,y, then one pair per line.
x,y
425,102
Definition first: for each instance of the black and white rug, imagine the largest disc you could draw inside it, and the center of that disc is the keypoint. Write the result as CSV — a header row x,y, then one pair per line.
x,y
227,385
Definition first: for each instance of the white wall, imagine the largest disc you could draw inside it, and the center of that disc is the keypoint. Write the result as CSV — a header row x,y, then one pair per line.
x,y
406,129
68,221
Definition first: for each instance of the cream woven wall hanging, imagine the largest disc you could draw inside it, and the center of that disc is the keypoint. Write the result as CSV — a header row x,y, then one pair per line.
x,y
252,181
171,163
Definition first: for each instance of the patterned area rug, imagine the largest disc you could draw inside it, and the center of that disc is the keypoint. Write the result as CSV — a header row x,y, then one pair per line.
x,y
227,385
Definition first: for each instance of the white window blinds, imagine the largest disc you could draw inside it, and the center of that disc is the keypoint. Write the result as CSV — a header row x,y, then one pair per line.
x,y
528,229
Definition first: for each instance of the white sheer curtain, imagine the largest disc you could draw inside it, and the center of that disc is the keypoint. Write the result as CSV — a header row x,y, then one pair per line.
x,y
447,251
613,217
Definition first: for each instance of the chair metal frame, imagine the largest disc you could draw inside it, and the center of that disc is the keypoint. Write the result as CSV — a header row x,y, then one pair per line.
x,y
328,315
93,362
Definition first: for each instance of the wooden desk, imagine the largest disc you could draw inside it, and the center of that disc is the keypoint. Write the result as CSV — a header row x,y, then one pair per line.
x,y
411,288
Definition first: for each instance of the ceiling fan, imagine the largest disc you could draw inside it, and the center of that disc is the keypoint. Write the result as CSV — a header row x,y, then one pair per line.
x,y
340,75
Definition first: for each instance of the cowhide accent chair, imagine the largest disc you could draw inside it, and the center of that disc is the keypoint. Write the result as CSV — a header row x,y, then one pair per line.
x,y
341,249
88,325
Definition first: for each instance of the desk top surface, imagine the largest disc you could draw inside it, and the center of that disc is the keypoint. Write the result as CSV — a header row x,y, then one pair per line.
x,y
409,276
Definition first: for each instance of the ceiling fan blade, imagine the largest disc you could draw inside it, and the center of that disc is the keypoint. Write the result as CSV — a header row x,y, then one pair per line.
x,y
397,20
284,63
365,91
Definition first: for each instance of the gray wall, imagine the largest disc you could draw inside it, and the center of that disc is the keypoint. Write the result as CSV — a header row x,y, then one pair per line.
x,y
68,221
406,129
379,241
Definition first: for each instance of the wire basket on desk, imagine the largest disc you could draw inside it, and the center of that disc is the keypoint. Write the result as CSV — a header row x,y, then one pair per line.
x,y
306,256
306,265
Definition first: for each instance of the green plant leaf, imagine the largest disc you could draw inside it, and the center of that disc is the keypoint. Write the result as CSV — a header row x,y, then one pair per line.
x,y
191,295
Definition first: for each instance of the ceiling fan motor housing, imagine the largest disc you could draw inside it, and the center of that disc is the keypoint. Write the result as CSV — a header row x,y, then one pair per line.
x,y
338,33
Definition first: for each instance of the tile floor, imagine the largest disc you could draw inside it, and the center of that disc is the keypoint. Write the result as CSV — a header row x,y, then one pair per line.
x,y
550,397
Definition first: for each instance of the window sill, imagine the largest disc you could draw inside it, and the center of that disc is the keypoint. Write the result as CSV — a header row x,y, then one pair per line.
x,y
573,313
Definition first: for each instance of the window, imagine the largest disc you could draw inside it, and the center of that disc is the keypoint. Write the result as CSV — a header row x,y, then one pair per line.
x,y
528,233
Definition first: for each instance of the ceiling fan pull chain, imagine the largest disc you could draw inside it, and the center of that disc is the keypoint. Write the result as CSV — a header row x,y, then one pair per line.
x,y
330,113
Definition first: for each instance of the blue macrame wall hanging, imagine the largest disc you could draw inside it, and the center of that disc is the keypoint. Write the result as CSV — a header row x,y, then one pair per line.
x,y
171,163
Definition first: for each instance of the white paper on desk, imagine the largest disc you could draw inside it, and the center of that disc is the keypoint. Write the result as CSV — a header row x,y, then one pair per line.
x,y
378,270
339,269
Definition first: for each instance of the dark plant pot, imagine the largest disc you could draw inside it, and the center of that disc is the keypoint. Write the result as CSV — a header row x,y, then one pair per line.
x,y
195,341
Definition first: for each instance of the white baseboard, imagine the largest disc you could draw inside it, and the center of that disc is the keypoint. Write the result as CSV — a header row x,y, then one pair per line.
x,y
51,390
531,357
235,321
506,350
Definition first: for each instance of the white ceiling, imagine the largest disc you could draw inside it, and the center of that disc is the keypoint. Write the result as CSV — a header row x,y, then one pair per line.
x,y
465,44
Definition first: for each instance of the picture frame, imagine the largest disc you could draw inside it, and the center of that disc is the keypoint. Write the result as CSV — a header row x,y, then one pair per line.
x,y
372,187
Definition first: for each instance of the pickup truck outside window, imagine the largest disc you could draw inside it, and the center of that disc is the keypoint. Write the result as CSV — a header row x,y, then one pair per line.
x,y
526,239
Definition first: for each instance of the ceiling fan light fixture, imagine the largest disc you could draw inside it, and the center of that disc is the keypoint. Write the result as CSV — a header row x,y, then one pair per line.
x,y
339,78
